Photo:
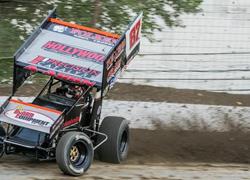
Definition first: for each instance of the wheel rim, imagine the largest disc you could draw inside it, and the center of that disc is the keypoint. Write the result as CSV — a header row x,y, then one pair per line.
x,y
124,142
74,154
78,154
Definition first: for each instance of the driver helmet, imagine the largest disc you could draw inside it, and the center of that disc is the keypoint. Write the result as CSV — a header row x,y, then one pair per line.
x,y
73,91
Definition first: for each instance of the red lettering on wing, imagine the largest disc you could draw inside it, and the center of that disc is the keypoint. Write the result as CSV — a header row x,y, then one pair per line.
x,y
134,34
93,36
37,59
72,51
61,70
49,44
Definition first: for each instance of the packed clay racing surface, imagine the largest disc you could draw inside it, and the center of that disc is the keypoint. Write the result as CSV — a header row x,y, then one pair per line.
x,y
130,92
163,153
160,154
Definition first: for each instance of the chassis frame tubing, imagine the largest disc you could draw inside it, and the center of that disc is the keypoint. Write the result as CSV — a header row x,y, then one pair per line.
x,y
7,142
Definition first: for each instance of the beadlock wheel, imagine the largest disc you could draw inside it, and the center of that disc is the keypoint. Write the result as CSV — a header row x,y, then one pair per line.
x,y
74,153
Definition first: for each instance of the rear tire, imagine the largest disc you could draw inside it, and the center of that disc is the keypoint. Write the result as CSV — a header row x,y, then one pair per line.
x,y
115,149
74,153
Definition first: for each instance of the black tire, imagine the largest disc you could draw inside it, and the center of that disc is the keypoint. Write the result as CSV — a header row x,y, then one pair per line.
x,y
2,131
2,135
74,153
115,149
1,150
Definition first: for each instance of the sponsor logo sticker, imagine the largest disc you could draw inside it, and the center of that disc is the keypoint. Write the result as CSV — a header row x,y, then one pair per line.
x,y
133,36
64,49
85,35
61,67
71,122
29,117
58,28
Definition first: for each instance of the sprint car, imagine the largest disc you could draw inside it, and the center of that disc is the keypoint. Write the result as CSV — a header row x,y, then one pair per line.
x,y
63,121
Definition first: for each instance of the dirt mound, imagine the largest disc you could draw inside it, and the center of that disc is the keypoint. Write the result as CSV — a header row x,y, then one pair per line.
x,y
162,146
129,92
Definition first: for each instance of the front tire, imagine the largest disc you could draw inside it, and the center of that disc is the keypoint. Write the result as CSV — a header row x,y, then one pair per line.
x,y
1,149
2,135
115,149
74,153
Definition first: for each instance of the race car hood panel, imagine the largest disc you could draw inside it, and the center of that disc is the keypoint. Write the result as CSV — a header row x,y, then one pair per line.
x,y
30,116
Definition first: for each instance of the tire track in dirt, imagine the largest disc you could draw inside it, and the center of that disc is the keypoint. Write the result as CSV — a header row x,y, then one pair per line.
x,y
160,154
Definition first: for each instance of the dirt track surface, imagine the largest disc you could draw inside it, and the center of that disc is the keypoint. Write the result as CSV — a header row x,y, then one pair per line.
x,y
166,145
161,154
130,92
26,170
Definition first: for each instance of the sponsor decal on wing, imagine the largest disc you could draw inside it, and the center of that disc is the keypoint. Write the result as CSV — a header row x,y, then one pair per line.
x,y
59,28
81,34
64,49
133,37
62,70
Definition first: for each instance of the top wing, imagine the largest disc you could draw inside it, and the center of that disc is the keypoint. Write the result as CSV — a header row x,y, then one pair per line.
x,y
77,53
68,53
